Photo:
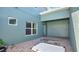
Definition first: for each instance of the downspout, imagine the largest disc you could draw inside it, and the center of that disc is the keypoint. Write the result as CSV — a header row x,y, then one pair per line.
x,y
46,29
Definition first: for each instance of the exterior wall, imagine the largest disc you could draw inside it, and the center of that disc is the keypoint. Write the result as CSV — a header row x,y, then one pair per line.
x,y
55,15
0,27
58,28
16,34
71,28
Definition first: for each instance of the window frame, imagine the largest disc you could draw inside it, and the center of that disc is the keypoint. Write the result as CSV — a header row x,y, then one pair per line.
x,y
9,18
32,29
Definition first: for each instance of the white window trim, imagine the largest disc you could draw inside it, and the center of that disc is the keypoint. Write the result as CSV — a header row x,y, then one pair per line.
x,y
9,20
32,28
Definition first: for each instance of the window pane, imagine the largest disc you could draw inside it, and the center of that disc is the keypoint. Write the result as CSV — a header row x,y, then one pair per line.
x,y
28,25
12,21
28,31
34,31
34,25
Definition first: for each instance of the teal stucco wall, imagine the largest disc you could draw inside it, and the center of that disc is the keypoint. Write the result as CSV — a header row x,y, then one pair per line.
x,y
73,36
0,27
16,34
71,28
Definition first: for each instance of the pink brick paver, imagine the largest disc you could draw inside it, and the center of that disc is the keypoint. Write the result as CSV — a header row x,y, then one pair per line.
x,y
27,46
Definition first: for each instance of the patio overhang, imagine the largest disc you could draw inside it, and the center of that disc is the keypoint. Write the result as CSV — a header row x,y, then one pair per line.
x,y
54,14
